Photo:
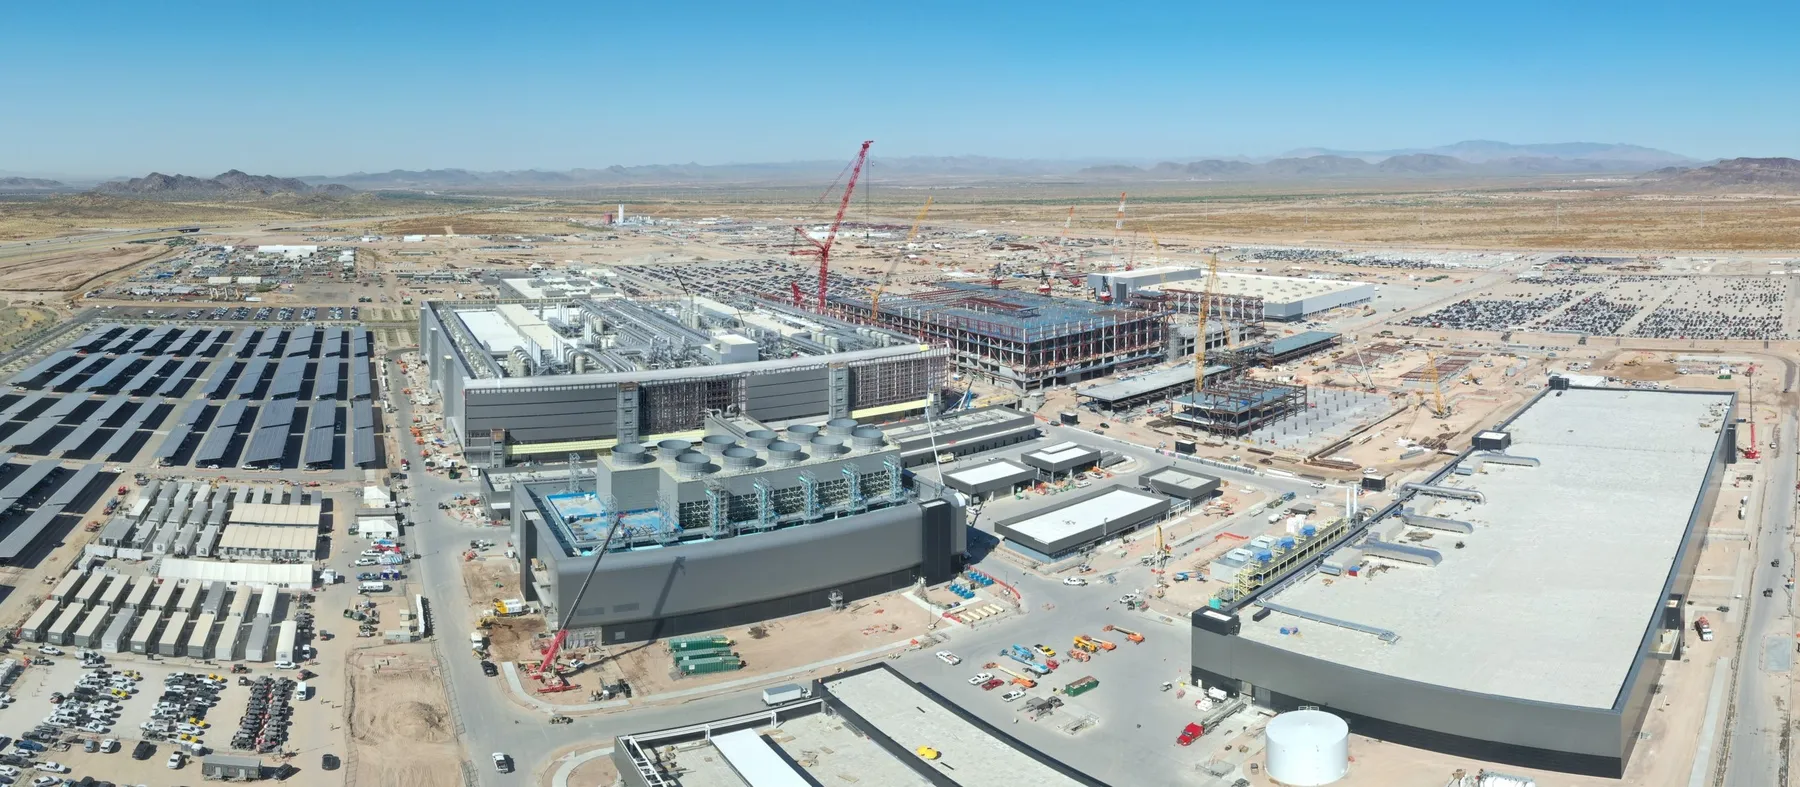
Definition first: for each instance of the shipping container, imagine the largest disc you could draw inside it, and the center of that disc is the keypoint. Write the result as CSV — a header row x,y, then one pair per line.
x,y
1080,686
699,641
288,633
701,653
711,665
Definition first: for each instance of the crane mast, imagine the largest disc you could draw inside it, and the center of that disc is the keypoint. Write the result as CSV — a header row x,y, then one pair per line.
x,y
875,299
1205,310
1437,390
822,249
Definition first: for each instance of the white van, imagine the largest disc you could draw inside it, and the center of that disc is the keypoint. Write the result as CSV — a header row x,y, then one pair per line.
x,y
301,691
372,587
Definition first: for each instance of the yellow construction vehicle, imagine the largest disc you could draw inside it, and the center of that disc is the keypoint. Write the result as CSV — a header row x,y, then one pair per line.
x,y
486,620
1097,642
1130,635
1021,680
1085,644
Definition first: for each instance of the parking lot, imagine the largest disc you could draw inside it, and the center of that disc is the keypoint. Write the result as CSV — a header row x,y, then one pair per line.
x,y
168,709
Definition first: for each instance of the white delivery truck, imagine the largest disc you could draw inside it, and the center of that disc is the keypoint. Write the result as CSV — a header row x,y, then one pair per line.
x,y
373,587
785,693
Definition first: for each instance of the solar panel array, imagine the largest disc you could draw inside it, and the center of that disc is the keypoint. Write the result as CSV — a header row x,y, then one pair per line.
x,y
289,374
321,432
360,387
251,377
269,441
224,427
362,433
27,532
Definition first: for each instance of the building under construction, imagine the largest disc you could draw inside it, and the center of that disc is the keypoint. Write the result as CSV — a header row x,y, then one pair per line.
x,y
1237,405
530,382
1018,340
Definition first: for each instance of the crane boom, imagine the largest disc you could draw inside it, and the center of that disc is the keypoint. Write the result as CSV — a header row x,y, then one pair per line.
x,y
823,248
562,631
1437,390
1206,299
881,286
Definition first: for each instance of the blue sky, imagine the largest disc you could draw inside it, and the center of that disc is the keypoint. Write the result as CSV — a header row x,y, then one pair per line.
x,y
327,87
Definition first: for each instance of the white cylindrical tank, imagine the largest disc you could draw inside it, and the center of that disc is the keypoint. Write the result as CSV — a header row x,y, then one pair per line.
x,y
1308,748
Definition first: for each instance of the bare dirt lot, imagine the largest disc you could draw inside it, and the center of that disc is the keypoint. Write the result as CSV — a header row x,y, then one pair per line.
x,y
784,643
400,725
71,270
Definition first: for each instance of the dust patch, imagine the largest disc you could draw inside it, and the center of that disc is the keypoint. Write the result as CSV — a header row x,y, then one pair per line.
x,y
400,725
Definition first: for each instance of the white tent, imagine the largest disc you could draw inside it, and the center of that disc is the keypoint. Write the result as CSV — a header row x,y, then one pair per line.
x,y
376,527
376,497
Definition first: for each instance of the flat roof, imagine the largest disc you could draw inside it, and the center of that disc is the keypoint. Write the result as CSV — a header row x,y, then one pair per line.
x,y
1147,383
1053,526
269,537
277,514
900,711
1276,289
756,761
992,471
292,575
1562,578
1063,455
1298,341
1185,480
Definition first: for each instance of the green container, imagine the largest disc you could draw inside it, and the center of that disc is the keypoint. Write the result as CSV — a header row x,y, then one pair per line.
x,y
1080,686
704,641
710,665
701,653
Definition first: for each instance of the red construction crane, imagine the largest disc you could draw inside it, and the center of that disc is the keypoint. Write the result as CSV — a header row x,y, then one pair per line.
x,y
795,286
822,249
546,671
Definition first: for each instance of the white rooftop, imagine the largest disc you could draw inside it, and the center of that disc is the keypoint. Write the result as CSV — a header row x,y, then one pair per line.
x,y
991,471
755,761
1278,289
901,712
1562,578
1090,513
1053,456
291,575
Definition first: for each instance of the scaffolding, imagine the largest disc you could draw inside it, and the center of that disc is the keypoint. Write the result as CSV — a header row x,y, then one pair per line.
x,y
1020,340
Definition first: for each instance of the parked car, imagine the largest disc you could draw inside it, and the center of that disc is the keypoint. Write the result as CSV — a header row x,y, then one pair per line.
x,y
980,678
948,658
1074,581
1012,695
992,683
502,762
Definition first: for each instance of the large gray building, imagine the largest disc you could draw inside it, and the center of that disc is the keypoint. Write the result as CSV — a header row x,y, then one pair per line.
x,y
744,525
1520,612
535,381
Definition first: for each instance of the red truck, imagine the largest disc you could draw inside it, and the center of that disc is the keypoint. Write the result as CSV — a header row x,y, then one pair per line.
x,y
1189,734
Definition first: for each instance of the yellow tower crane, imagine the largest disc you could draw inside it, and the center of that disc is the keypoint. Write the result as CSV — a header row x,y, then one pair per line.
x,y
875,298
1437,390
1205,310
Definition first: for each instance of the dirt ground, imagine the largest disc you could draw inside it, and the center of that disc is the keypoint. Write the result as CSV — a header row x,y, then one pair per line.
x,y
598,772
786,643
71,270
400,722
488,578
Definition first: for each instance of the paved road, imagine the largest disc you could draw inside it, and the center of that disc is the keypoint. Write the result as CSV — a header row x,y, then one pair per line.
x,y
1758,745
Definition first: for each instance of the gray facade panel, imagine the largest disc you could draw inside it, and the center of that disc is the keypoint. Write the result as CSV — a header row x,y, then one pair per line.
x,y
695,578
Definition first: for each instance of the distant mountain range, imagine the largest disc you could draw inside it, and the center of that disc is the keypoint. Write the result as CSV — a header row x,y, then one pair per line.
x,y
1738,174
229,185
31,184
1472,158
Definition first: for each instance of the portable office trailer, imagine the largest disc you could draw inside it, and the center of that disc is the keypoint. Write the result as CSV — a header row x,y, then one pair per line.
x,y
64,626
256,648
214,600
265,605
117,638
66,588
165,595
225,648
240,600
190,597
90,589
39,623
284,641
208,543
143,638
184,540
88,634
164,542
174,633
115,591
140,594
200,640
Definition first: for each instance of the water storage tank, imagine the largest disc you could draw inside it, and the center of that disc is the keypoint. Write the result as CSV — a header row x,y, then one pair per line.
x,y
692,464
759,438
668,450
739,458
782,452
1308,748
630,454
827,446
866,438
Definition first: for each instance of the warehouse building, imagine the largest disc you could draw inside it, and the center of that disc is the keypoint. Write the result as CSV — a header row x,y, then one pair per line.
x,y
923,441
1540,638
1077,523
742,526
984,482
1283,298
535,383
1182,483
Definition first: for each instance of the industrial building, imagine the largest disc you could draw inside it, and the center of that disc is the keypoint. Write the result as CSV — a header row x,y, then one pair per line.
x,y
1017,340
1537,639
960,433
1066,528
536,382
1282,298
742,525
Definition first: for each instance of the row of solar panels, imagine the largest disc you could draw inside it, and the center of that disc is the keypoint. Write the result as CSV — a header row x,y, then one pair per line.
x,y
289,377
21,489
112,338
131,416
268,440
